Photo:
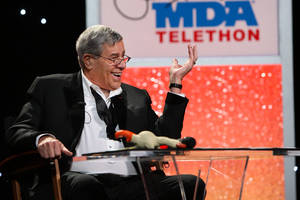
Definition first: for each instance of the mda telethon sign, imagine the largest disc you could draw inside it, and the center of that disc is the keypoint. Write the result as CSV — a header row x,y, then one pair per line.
x,y
219,28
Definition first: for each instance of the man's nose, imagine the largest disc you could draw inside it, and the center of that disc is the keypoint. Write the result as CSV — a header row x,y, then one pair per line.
x,y
122,65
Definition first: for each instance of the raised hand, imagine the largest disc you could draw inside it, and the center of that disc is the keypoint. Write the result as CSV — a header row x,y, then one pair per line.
x,y
177,72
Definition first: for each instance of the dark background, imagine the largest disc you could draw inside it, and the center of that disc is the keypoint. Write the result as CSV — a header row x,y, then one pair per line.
x,y
30,49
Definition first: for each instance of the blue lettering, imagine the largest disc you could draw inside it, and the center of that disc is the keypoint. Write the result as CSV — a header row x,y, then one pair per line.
x,y
237,11
234,15
164,11
202,18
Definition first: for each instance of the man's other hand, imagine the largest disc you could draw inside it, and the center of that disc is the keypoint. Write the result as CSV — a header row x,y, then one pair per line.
x,y
49,147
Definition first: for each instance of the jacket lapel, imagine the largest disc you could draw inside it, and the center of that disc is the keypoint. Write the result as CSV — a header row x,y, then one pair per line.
x,y
120,111
76,104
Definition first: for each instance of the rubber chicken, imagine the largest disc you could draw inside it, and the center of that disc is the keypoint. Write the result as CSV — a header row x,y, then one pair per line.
x,y
148,140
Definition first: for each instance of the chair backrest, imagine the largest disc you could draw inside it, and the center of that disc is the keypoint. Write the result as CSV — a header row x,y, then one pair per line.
x,y
5,184
5,124
17,165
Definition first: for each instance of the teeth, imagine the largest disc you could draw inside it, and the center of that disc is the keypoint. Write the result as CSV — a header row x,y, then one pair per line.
x,y
117,74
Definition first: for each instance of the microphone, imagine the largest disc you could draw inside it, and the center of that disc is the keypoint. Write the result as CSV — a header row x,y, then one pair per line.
x,y
81,103
190,142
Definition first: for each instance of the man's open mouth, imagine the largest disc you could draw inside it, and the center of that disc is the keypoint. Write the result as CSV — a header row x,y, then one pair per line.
x,y
117,74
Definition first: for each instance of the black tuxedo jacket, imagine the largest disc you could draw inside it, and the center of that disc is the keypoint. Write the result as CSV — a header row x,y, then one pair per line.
x,y
56,106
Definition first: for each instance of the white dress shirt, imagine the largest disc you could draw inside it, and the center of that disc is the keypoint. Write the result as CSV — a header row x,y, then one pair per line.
x,y
94,137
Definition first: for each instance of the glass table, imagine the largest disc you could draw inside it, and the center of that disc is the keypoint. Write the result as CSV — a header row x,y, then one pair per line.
x,y
223,170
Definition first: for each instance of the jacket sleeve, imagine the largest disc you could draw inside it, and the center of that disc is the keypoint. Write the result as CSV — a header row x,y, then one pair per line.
x,y
22,134
170,123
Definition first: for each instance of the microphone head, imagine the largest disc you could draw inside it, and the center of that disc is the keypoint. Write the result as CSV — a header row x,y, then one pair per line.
x,y
190,142
81,103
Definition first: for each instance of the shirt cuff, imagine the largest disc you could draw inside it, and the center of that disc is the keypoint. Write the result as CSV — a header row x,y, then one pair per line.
x,y
41,135
181,94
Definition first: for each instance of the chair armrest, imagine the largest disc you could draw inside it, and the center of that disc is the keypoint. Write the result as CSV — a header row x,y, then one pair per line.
x,y
28,162
22,163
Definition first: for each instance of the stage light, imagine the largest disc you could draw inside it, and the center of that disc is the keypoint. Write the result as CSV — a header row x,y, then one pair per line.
x,y
295,168
22,11
43,21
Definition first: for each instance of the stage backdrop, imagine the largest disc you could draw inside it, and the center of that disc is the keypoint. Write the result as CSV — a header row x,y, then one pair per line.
x,y
221,28
231,104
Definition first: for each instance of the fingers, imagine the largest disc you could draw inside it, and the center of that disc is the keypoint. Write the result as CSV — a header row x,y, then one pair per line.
x,y
178,72
175,62
50,147
193,54
66,151
190,51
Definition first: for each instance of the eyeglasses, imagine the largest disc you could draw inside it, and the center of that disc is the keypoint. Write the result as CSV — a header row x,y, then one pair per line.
x,y
116,61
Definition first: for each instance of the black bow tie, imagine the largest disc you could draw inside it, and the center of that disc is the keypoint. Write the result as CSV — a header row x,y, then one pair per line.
x,y
106,114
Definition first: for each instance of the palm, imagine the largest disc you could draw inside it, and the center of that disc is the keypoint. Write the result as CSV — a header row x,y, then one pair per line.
x,y
177,72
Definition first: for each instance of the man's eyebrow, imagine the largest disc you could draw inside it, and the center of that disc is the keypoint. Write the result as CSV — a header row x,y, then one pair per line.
x,y
114,55
117,55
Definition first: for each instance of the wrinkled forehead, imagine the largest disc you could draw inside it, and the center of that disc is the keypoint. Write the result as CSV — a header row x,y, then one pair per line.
x,y
117,49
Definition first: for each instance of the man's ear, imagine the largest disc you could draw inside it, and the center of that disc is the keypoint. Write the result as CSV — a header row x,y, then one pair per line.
x,y
88,61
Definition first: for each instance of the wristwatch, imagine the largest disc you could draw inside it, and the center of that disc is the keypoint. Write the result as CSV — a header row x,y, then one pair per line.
x,y
175,85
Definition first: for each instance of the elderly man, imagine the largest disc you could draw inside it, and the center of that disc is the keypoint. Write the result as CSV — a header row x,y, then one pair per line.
x,y
73,114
